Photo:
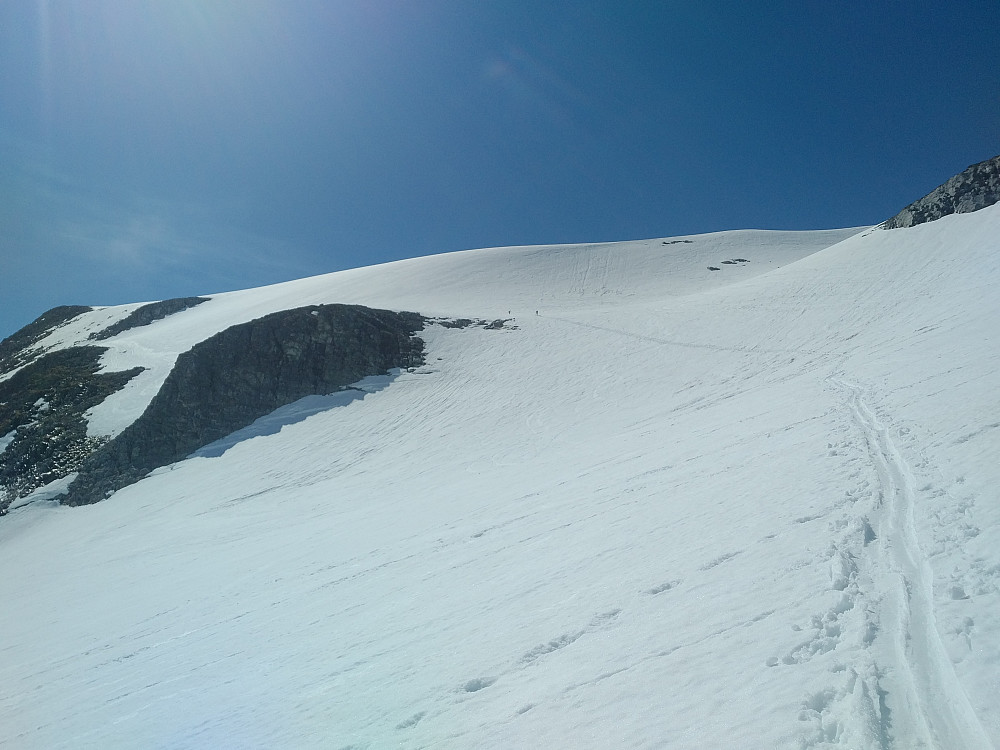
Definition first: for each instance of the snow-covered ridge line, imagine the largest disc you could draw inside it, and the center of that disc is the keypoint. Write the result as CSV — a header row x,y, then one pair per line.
x,y
490,283
142,343
522,275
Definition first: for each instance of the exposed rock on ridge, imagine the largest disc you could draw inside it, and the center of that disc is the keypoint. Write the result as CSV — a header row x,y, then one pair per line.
x,y
244,372
975,188
147,314
16,349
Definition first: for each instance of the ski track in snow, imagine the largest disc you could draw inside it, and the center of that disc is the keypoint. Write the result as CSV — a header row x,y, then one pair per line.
x,y
901,691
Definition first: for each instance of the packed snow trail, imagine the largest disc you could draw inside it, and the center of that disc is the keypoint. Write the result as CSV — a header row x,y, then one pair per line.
x,y
755,349
925,704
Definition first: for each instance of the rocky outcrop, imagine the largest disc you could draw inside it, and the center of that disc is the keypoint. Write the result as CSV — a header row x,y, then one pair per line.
x,y
975,188
229,380
147,314
18,348
41,417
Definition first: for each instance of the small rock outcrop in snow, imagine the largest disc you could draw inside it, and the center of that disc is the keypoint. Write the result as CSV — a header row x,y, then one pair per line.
x,y
975,188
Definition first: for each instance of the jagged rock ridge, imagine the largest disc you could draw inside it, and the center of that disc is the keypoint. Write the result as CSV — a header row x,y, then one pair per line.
x,y
975,188
244,372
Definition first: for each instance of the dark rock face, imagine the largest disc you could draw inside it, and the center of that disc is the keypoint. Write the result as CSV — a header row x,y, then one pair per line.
x,y
493,325
16,349
43,404
454,322
244,372
975,188
146,314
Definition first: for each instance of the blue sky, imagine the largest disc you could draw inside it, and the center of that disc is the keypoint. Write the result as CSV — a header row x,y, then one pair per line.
x,y
153,149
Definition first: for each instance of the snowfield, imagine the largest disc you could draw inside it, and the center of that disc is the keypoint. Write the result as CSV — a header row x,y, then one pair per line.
x,y
755,507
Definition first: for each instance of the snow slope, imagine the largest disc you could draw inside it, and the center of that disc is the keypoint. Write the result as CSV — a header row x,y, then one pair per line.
x,y
754,507
495,282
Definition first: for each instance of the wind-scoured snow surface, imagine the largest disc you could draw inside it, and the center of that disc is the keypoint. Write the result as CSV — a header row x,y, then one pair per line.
x,y
677,508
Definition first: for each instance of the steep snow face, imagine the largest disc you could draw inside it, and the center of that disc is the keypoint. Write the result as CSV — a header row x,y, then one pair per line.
x,y
685,513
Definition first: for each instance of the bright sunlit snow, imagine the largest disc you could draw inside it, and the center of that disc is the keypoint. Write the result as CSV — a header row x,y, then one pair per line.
x,y
679,508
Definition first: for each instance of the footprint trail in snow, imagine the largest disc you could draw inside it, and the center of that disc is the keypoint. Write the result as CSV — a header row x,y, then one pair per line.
x,y
901,690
